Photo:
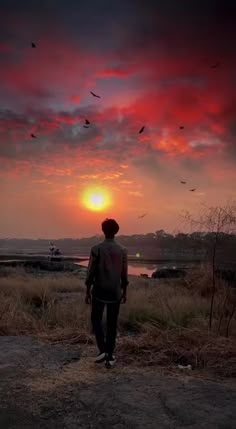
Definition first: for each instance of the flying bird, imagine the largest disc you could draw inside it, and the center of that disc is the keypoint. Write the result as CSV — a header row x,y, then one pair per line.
x,y
33,45
140,131
181,127
95,95
87,122
192,190
142,216
183,183
214,66
33,136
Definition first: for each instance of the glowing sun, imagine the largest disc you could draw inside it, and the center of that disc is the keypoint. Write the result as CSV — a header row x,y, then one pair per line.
x,y
96,199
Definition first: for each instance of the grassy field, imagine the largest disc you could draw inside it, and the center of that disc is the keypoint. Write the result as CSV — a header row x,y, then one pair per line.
x,y
163,323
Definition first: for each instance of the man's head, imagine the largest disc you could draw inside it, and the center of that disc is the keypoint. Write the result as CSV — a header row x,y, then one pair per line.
x,y
110,228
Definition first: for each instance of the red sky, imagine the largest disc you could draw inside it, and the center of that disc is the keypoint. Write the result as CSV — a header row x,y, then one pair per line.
x,y
151,63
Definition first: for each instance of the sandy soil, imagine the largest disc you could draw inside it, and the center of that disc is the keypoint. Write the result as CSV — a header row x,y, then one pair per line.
x,y
45,386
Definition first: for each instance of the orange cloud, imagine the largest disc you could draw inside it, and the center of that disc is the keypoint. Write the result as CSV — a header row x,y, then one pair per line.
x,y
135,193
126,182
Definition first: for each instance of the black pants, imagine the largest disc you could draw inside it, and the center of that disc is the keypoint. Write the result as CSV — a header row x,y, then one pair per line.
x,y
107,346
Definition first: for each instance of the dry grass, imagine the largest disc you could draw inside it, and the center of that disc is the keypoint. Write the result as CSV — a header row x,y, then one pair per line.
x,y
164,322
163,304
194,346
33,305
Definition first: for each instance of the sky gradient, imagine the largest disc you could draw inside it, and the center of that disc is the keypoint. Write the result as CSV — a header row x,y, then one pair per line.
x,y
151,63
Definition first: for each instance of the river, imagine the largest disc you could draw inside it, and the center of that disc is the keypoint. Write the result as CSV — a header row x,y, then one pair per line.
x,y
134,268
144,268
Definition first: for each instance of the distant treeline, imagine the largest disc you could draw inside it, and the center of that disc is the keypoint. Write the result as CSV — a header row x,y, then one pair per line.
x,y
155,245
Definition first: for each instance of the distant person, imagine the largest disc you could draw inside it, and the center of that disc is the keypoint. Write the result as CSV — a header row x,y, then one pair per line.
x,y
108,274
52,249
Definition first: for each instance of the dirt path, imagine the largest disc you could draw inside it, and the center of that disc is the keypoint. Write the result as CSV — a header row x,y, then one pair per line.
x,y
46,386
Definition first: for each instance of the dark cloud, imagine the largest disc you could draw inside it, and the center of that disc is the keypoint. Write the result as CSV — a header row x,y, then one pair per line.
x,y
162,49
179,26
62,132
231,147
185,25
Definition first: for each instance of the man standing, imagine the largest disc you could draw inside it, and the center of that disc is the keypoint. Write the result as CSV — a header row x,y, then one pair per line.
x,y
108,274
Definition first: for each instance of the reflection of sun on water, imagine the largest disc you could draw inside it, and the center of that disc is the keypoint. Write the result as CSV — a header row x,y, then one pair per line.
x,y
96,199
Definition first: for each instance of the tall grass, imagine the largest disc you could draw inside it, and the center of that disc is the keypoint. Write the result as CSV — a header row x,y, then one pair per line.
x,y
30,304
33,305
163,322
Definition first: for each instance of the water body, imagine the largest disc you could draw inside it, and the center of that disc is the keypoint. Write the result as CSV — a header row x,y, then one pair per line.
x,y
138,268
134,268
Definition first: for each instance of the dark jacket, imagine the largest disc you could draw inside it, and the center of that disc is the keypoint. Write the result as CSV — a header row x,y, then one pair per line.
x,y
108,271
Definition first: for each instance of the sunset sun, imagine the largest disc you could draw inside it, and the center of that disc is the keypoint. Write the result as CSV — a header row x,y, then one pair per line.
x,y
96,199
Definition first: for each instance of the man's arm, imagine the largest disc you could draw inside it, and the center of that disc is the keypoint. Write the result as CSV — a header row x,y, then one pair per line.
x,y
124,274
91,272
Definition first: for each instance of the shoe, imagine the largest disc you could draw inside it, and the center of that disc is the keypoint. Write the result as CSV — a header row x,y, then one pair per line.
x,y
110,362
101,357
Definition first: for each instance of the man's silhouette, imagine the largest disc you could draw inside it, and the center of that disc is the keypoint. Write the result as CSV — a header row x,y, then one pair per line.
x,y
108,274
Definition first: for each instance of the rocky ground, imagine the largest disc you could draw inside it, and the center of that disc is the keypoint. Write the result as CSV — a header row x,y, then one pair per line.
x,y
47,385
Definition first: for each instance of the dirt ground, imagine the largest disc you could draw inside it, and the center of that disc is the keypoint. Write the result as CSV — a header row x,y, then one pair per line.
x,y
45,386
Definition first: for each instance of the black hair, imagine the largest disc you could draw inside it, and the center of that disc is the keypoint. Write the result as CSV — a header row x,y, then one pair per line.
x,y
110,228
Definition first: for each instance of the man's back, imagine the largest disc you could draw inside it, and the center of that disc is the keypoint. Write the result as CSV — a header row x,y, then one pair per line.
x,y
108,270
108,274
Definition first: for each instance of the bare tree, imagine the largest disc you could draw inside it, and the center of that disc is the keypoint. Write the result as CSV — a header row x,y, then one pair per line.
x,y
216,220
227,306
